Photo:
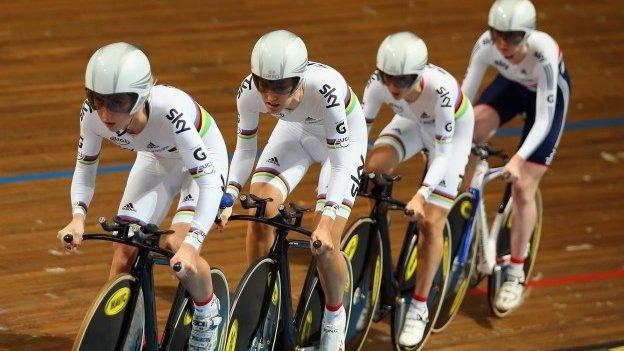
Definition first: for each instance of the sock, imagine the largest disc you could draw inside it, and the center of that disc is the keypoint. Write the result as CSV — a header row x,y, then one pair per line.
x,y
333,313
206,307
516,268
419,301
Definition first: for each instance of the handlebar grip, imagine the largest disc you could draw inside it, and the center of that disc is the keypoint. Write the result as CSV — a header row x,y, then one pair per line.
x,y
408,212
317,244
68,238
177,266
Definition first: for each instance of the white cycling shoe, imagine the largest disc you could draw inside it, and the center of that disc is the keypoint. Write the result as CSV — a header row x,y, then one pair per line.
x,y
509,296
414,326
333,335
204,331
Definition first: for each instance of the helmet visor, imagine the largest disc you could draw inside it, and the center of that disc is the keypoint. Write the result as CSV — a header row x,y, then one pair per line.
x,y
118,103
512,37
284,86
401,81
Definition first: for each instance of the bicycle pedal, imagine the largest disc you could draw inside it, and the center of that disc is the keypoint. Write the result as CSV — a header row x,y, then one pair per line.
x,y
381,312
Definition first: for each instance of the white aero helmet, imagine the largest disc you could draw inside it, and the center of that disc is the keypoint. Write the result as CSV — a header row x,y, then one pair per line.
x,y
512,15
120,68
402,53
278,55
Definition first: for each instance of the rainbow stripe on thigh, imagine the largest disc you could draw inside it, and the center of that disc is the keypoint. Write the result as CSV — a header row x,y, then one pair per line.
x,y
344,210
441,199
394,141
184,214
273,177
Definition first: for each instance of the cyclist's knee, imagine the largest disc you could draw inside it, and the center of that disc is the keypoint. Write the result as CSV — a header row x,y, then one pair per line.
x,y
523,191
383,159
487,122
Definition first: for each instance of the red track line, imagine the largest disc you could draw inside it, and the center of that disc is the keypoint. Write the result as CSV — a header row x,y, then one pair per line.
x,y
560,281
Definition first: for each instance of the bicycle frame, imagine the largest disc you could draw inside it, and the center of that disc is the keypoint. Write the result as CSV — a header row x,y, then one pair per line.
x,y
279,253
390,284
487,236
142,271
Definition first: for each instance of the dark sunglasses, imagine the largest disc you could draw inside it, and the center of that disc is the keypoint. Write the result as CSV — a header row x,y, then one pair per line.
x,y
117,103
402,81
513,37
284,86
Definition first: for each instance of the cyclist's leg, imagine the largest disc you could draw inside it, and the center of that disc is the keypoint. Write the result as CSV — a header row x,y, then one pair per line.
x,y
332,268
431,237
497,105
524,191
198,284
439,203
524,208
430,244
146,198
280,168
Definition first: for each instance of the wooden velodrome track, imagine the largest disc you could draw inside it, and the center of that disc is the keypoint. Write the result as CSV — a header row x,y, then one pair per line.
x,y
204,49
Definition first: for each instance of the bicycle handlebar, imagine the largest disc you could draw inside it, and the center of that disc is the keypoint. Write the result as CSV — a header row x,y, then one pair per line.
x,y
121,228
285,219
485,151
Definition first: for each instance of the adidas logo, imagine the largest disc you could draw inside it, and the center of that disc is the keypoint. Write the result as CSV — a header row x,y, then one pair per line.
x,y
311,120
188,198
152,146
128,207
274,161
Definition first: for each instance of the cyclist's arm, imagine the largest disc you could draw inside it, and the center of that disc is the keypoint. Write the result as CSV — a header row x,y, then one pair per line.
x,y
246,139
444,131
546,99
83,180
477,66
371,101
338,138
194,153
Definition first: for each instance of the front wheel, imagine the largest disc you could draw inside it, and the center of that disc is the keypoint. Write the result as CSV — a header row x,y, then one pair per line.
x,y
363,248
463,255
406,277
503,253
255,309
311,307
116,318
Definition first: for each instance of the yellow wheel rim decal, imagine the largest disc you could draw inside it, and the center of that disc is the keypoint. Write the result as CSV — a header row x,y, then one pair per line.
x,y
459,297
232,335
352,246
187,317
376,281
465,208
411,264
117,302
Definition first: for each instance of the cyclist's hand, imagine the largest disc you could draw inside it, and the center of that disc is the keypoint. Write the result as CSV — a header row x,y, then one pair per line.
x,y
416,205
322,234
187,256
225,210
76,229
224,216
511,171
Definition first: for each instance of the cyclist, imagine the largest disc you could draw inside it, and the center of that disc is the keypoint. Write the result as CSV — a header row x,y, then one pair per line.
x,y
431,113
532,80
319,120
179,150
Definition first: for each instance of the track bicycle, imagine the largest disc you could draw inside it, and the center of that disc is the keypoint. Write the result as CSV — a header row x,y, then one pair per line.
x,y
261,317
378,288
123,315
486,253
